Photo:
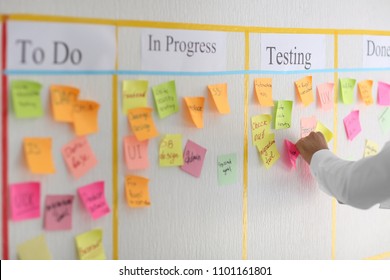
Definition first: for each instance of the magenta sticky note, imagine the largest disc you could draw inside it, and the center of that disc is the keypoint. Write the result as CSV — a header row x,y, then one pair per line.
x,y
136,153
79,156
383,94
193,158
25,201
292,151
326,94
352,125
58,212
308,125
94,199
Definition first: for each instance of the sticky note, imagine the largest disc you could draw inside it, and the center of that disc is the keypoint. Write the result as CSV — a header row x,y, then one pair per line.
x,y
90,245
383,94
165,99
227,169
171,153
365,90
292,152
142,123
308,125
34,249
25,201
79,157
263,90
38,155
137,191
195,106
370,149
326,95
136,153
268,150
219,94
194,155
384,120
346,87
352,125
305,90
58,212
134,94
94,199
324,130
85,117
283,114
26,99
63,100
261,125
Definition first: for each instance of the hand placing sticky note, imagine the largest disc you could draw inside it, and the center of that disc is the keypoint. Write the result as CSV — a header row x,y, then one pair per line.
x,y
136,153
261,125
63,100
195,106
324,130
268,150
305,90
227,169
365,90
283,114
193,158
26,99
134,94
384,120
171,153
370,149
263,90
58,212
38,155
308,125
94,199
352,125
137,191
90,245
25,201
346,87
165,99
34,249
220,97
383,94
292,152
142,123
85,117
326,95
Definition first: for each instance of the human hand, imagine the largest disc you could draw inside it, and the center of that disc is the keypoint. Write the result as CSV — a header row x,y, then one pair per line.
x,y
310,144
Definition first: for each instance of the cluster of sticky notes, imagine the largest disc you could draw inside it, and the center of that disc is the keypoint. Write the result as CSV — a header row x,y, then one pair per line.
x,y
38,154
292,153
94,199
194,155
136,153
268,150
352,125
370,149
58,212
90,245
320,127
195,106
365,90
308,124
219,95
170,152
165,99
25,201
384,120
383,94
26,99
263,90
34,249
137,191
283,114
261,126
326,95
304,89
227,169
134,94
347,86
142,123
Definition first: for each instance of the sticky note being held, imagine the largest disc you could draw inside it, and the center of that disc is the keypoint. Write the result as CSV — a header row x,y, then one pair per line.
x,y
370,149
195,106
134,94
325,131
352,125
63,99
142,123
171,153
268,150
137,191
261,125
263,90
25,201
136,153
58,212
305,90
85,117
292,152
94,199
383,94
346,87
326,94
283,114
34,249
165,99
384,120
365,90
26,99
220,96
38,155
90,245
308,125
193,158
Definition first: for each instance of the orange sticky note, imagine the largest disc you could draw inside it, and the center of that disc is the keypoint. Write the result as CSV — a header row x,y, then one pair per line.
x,y
142,123
196,107
136,153
305,90
137,191
63,99
219,94
263,90
85,117
38,155
365,90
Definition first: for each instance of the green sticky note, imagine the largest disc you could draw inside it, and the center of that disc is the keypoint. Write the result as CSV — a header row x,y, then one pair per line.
x,y
283,111
384,120
346,88
171,152
227,169
165,99
268,150
26,99
134,94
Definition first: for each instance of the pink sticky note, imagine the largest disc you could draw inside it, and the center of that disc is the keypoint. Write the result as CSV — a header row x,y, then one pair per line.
x,y
292,151
94,200
326,94
136,153
58,212
308,125
25,201
193,158
352,125
383,94
79,156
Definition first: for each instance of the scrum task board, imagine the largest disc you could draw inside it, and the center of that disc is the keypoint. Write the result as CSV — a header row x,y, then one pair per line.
x,y
246,202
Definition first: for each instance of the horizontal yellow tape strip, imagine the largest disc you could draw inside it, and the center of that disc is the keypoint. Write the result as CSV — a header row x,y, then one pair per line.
x,y
45,18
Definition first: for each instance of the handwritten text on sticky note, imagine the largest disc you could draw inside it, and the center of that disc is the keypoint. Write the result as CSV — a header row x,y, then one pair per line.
x,y
308,125
137,191
326,95
371,148
25,201
263,90
85,117
90,245
305,90
352,125
134,94
227,169
171,153
193,158
94,199
292,152
165,99
346,87
136,153
268,150
283,114
58,212
39,155
220,96
365,90
195,106
26,99
142,123
63,99
261,125
384,120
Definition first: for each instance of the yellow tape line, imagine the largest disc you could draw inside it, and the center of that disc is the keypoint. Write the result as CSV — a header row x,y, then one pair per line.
x,y
379,257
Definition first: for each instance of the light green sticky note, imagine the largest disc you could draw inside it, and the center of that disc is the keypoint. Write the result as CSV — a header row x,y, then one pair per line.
x,y
268,150
384,120
34,249
227,169
346,88
171,152
261,125
134,94
283,111
26,99
90,245
324,130
165,99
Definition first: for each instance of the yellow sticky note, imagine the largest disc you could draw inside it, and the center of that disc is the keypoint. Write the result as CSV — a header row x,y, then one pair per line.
x,y
195,106
85,117
263,90
371,148
261,126
365,90
34,249
134,94
220,97
268,150
137,191
324,130
63,99
142,123
90,245
305,90
38,155
171,152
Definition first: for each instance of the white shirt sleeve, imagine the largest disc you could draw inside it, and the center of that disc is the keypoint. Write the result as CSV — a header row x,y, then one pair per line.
x,y
361,183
